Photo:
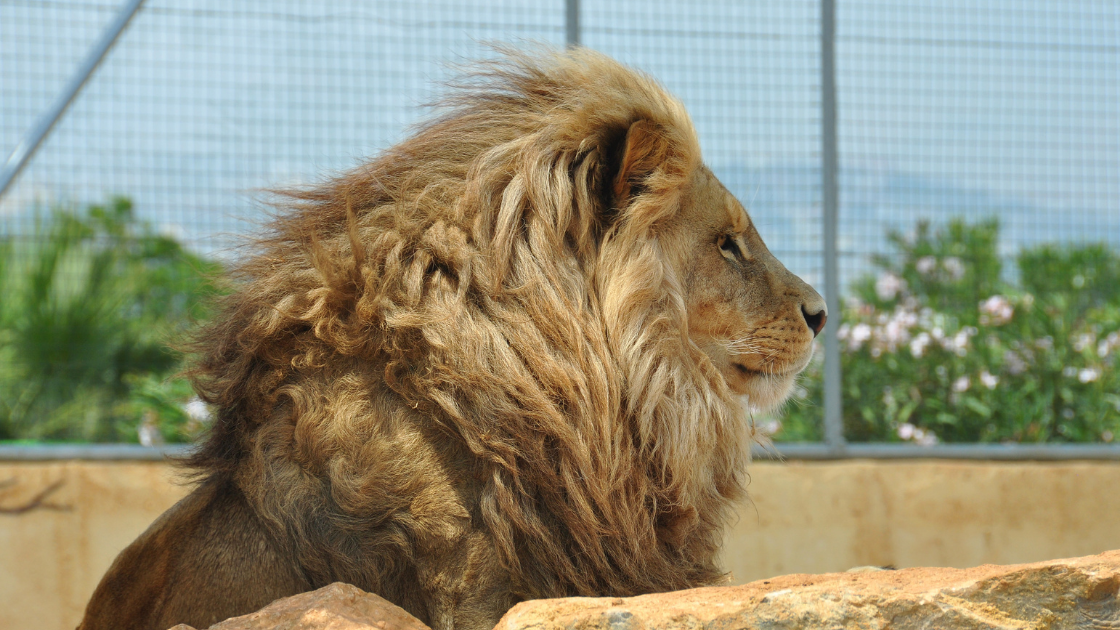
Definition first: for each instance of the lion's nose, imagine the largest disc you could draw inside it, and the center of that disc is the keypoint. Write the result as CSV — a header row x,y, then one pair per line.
x,y
815,320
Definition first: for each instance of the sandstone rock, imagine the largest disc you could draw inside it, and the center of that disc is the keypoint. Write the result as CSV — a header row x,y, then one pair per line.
x,y
335,607
1079,593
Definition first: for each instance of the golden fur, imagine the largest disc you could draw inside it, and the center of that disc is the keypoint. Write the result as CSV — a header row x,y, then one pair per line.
x,y
504,360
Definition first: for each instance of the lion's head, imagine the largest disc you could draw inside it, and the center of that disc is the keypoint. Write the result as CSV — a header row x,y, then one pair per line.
x,y
547,287
752,318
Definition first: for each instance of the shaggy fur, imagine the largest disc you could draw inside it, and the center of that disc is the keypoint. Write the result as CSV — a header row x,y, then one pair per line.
x,y
483,367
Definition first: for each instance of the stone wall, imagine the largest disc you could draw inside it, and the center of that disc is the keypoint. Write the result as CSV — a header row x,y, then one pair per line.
x,y
820,517
805,518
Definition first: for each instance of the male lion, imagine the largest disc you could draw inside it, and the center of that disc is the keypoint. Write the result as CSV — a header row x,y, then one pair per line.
x,y
505,360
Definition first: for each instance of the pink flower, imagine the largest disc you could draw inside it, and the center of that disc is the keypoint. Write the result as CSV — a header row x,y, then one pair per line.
x,y
1108,344
925,438
1088,375
198,410
953,267
1083,341
958,343
996,311
1014,362
857,335
988,379
921,437
905,431
888,286
919,344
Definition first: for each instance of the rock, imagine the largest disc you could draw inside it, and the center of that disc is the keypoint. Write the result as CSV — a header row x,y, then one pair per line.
x,y
1079,593
335,607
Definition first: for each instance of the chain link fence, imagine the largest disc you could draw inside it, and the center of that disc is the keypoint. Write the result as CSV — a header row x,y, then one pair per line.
x,y
967,111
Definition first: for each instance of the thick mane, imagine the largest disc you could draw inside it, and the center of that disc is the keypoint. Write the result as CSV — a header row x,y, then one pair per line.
x,y
477,280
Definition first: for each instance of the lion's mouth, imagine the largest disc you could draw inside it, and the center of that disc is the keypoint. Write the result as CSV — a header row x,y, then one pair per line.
x,y
746,371
772,372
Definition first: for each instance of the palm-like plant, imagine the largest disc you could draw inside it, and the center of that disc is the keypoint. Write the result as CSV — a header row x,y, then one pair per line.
x,y
92,301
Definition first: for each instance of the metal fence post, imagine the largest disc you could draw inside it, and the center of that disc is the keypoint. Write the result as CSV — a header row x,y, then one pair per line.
x,y
571,22
833,418
28,144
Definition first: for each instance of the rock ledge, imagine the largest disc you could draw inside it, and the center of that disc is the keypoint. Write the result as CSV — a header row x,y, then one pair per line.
x,y
1078,593
337,606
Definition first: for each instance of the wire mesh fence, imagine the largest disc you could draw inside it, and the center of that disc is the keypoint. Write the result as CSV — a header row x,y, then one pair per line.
x,y
967,111
997,125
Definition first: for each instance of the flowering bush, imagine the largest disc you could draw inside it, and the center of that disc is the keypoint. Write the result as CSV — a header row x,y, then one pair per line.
x,y
938,347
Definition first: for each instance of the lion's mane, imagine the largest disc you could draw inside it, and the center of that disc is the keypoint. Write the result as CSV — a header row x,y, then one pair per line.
x,y
478,281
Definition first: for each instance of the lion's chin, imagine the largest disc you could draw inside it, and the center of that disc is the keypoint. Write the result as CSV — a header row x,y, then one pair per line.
x,y
763,391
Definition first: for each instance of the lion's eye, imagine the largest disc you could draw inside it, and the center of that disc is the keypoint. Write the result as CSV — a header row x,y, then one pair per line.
x,y
729,247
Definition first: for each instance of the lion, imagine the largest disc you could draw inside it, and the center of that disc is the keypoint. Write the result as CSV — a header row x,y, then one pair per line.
x,y
512,357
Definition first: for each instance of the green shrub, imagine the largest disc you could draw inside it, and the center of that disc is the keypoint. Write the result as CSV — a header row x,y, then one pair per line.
x,y
937,347
92,301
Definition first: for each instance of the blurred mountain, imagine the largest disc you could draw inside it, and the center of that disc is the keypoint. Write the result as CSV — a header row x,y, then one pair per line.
x,y
785,203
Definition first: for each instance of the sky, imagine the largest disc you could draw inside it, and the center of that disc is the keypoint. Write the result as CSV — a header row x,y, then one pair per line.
x,y
946,108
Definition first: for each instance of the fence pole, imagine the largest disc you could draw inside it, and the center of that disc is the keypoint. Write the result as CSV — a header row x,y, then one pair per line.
x,y
571,22
833,417
30,142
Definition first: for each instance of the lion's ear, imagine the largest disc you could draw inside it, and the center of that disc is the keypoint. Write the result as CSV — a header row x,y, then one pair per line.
x,y
644,149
